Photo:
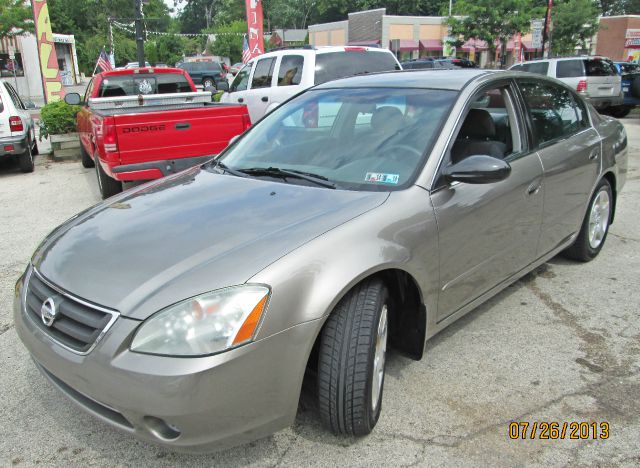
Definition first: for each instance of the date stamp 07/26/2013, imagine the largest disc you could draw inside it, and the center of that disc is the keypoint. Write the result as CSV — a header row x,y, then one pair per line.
x,y
553,430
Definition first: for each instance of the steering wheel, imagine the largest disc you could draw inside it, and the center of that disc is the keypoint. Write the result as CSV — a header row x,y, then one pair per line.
x,y
393,150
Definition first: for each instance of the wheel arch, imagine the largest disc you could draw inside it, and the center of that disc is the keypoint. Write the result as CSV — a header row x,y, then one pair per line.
x,y
408,317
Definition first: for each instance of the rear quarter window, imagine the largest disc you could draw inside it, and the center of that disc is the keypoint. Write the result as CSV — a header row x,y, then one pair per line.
x,y
570,68
335,65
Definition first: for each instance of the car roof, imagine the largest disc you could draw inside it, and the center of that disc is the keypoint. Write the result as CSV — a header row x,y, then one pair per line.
x,y
561,59
451,79
318,50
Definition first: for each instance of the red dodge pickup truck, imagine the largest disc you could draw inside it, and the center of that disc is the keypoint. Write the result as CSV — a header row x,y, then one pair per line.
x,y
145,123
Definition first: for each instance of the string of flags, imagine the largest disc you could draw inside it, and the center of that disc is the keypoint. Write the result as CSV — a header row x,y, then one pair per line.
x,y
130,29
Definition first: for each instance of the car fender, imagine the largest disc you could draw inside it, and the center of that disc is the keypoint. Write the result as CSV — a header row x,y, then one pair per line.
x,y
308,282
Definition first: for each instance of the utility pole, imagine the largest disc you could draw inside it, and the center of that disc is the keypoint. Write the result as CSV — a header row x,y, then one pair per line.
x,y
139,33
545,31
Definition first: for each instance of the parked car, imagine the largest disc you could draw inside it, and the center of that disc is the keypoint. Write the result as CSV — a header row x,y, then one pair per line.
x,y
421,64
460,62
594,77
235,68
161,65
17,131
135,65
270,79
208,74
630,76
365,213
145,123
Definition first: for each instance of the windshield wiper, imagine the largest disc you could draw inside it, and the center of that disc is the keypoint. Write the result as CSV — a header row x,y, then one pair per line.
x,y
284,173
225,168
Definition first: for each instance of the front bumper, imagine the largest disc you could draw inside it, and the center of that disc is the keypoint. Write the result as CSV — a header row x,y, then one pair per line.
x,y
186,404
19,145
156,169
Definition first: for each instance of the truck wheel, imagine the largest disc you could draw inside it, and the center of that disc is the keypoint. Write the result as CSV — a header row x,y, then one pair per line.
x,y
108,186
351,361
86,159
635,87
619,111
208,82
595,225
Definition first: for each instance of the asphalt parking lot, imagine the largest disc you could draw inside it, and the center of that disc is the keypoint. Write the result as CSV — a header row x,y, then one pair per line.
x,y
562,344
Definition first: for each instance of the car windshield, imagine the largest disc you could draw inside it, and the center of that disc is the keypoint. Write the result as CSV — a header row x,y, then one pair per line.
x,y
353,138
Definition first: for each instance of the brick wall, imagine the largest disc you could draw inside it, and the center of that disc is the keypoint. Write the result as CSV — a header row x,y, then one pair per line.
x,y
366,25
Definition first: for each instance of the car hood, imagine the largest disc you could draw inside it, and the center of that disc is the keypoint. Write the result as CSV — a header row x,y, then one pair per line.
x,y
188,234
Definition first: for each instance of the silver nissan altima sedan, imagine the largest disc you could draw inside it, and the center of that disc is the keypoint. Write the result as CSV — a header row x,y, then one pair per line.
x,y
364,214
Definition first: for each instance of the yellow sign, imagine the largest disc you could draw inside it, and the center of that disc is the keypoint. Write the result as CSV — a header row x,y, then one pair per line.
x,y
51,82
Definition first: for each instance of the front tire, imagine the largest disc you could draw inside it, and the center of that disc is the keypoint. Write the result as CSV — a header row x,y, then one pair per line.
x,y
352,359
86,158
26,159
108,186
595,225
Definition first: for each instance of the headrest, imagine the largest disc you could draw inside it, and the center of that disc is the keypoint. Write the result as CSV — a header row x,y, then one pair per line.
x,y
387,119
478,124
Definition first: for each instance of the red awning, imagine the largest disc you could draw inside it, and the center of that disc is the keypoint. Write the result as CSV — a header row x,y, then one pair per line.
x,y
406,45
430,44
473,44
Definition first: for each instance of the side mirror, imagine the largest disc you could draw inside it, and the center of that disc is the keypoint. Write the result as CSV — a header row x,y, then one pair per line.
x,y
478,169
73,99
222,86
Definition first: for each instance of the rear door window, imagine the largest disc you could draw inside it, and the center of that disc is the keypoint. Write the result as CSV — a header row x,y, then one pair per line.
x,y
553,111
263,73
290,72
570,68
241,80
334,65
541,68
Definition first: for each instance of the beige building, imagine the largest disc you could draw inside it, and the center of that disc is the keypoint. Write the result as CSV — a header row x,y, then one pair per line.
x,y
410,37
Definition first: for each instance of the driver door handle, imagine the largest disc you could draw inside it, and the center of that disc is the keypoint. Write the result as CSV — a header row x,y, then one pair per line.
x,y
534,188
594,153
265,98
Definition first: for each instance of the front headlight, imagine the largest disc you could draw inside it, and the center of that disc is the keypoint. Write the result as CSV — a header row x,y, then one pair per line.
x,y
204,324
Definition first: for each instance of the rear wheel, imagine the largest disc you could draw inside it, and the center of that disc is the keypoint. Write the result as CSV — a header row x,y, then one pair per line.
x,y
108,186
26,159
352,359
86,158
595,226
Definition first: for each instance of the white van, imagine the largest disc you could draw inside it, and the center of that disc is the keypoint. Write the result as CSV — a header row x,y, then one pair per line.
x,y
594,77
270,79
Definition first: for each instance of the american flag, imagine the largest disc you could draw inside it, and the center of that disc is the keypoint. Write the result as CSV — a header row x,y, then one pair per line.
x,y
246,53
103,61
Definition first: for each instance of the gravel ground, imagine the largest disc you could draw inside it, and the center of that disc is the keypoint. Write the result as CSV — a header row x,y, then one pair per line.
x,y
562,344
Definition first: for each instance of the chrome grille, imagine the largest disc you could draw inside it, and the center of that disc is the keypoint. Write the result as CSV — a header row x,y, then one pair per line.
x,y
77,326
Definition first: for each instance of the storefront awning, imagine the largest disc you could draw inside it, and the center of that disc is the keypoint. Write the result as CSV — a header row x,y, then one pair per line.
x,y
430,44
406,45
473,44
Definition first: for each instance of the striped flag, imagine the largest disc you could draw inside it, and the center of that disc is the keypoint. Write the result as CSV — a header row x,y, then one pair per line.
x,y
103,62
246,53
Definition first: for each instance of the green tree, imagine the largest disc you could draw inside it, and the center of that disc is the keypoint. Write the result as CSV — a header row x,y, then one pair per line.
x,y
16,17
574,23
170,49
228,42
492,20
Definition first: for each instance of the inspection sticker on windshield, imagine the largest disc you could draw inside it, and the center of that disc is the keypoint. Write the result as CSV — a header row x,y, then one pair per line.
x,y
382,178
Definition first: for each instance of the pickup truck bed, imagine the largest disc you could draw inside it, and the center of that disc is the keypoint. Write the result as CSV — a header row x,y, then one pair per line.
x,y
146,123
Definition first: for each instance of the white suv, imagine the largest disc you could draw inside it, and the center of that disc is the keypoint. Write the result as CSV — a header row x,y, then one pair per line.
x,y
595,78
270,79
17,133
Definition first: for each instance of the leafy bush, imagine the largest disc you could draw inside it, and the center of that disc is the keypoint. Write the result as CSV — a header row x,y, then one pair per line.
x,y
57,118
217,96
